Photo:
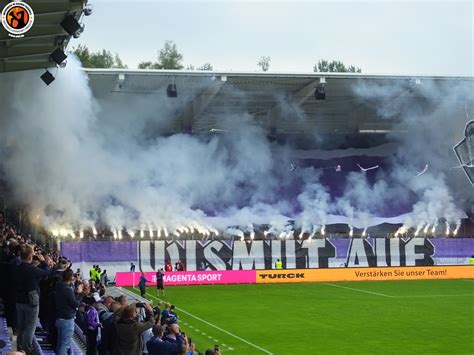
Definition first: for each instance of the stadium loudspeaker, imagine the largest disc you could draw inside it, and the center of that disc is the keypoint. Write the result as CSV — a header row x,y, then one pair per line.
x,y
171,90
320,93
58,56
47,77
70,25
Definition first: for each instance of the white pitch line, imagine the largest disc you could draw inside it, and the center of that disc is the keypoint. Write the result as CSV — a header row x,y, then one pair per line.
x,y
218,328
356,289
424,296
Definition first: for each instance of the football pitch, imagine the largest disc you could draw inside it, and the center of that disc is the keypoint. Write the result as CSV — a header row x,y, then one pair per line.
x,y
395,317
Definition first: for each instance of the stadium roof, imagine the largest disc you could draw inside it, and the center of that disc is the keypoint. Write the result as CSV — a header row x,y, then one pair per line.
x,y
33,50
284,103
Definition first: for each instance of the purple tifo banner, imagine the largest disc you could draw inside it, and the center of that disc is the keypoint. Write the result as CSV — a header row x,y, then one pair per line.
x,y
100,251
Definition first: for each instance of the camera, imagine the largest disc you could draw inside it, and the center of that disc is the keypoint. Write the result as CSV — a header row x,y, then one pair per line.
x,y
140,305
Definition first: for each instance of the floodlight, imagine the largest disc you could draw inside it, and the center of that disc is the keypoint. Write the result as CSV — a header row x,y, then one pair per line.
x,y
58,56
70,25
47,77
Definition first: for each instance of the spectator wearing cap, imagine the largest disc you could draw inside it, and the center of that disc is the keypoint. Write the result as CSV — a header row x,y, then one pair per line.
x,y
107,319
168,314
27,279
129,330
159,346
67,302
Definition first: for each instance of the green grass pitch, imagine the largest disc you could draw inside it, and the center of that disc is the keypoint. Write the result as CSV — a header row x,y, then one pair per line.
x,y
386,317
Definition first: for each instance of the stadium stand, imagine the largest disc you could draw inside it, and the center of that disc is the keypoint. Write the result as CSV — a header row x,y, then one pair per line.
x,y
109,305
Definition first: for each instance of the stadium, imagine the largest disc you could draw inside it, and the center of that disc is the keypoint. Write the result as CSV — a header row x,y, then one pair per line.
x,y
182,211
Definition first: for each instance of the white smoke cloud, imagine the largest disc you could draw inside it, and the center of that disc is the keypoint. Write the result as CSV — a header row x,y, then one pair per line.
x,y
79,164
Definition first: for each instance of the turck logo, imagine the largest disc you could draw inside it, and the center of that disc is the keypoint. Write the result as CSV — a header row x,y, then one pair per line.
x,y
17,18
299,275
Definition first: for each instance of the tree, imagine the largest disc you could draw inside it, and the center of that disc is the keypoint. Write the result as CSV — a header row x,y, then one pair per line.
x,y
100,59
264,63
168,58
118,62
205,66
147,65
334,66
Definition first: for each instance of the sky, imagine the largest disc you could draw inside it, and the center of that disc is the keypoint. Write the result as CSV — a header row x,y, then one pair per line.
x,y
396,37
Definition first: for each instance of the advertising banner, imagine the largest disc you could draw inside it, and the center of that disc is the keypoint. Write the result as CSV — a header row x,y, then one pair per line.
x,y
180,278
365,274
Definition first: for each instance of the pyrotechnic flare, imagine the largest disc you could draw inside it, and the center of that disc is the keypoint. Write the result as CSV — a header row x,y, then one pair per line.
x,y
433,230
142,233
94,231
447,228
364,232
323,230
166,232
252,235
418,229
425,230
150,230
458,225
81,234
351,232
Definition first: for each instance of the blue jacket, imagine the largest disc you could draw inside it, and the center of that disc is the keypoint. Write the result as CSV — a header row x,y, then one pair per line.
x,y
27,279
142,282
66,301
157,346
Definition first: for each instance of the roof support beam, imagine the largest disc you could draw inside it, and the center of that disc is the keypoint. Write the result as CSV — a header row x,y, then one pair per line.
x,y
197,106
298,97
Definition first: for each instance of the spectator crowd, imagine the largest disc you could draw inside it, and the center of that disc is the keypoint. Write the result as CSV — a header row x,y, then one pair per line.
x,y
42,290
